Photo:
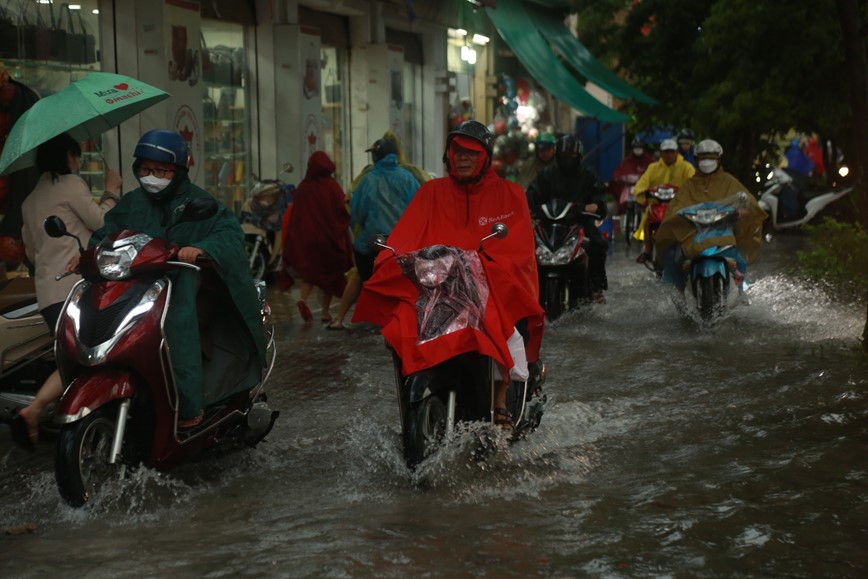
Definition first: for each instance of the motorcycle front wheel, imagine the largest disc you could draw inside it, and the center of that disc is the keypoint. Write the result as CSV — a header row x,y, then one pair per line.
x,y
631,222
425,427
82,457
710,295
257,261
553,294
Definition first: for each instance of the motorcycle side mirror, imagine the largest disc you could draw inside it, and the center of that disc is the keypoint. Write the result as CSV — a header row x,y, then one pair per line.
x,y
55,227
498,230
380,241
198,209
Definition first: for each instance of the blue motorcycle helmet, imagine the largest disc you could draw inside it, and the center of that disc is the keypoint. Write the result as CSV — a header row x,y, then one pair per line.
x,y
163,146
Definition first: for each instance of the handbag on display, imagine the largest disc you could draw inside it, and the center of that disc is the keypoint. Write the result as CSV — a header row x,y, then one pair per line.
x,y
8,32
36,35
58,45
81,46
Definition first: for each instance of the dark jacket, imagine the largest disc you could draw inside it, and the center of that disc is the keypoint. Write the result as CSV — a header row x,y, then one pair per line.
x,y
581,188
20,183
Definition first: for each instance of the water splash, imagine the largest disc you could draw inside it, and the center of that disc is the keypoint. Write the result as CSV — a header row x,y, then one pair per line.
x,y
779,300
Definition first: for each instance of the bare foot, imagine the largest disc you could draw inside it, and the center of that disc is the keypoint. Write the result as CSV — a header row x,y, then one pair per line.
x,y
32,419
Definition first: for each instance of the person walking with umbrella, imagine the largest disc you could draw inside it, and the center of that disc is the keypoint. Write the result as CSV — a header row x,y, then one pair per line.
x,y
60,191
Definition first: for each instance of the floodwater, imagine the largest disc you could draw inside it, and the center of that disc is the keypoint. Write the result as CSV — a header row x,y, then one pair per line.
x,y
667,450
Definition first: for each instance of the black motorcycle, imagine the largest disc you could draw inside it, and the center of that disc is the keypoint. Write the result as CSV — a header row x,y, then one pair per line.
x,y
561,256
453,294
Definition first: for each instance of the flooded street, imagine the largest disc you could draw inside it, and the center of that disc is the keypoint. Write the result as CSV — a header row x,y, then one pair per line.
x,y
665,450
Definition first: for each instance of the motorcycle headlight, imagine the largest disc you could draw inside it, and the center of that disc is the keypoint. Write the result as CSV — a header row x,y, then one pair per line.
x,y
562,256
708,216
114,261
544,255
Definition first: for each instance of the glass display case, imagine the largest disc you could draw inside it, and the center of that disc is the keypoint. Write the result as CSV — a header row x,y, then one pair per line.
x,y
333,106
47,46
224,112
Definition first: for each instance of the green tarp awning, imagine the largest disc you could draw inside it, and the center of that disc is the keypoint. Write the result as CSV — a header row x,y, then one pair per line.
x,y
524,33
574,52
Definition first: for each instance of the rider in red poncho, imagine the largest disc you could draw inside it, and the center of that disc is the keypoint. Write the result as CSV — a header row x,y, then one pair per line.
x,y
459,211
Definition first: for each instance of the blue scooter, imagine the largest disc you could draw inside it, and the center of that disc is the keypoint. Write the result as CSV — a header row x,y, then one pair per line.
x,y
710,271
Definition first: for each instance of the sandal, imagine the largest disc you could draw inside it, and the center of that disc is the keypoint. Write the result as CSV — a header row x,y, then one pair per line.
x,y
191,422
598,297
644,257
503,418
335,326
305,312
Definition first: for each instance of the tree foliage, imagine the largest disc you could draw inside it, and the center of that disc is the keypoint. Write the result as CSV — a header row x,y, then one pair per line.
x,y
838,256
731,70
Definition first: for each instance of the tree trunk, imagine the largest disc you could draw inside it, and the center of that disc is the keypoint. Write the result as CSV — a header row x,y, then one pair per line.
x,y
852,24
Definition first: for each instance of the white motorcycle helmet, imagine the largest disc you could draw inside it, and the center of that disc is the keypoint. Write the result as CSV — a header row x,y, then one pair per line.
x,y
709,147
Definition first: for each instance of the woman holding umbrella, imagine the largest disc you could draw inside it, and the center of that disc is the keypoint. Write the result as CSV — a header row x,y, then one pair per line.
x,y
60,191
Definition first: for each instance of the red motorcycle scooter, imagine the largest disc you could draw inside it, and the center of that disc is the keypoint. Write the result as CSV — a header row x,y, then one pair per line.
x,y
654,214
120,407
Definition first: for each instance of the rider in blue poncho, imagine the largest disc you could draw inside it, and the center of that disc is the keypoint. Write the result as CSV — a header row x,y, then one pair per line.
x,y
378,202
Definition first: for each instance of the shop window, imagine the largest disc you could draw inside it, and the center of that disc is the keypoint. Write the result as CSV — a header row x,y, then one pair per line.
x,y
225,112
333,109
412,112
47,46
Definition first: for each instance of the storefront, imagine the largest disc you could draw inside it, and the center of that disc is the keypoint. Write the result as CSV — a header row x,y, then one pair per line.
x,y
45,47
332,68
256,86
225,135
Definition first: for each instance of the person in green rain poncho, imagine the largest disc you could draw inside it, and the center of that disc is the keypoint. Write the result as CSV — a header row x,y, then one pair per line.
x,y
161,158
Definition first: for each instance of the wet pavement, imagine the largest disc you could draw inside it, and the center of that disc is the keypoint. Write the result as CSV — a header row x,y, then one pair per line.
x,y
666,450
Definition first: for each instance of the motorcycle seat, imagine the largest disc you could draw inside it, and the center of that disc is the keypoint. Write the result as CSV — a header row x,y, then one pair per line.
x,y
15,293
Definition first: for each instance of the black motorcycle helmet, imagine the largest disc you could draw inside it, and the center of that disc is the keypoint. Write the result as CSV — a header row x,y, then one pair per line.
x,y
568,153
478,132
381,148
685,136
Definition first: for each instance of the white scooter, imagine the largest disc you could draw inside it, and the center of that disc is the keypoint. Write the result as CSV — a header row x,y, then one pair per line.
x,y
26,348
810,202
261,219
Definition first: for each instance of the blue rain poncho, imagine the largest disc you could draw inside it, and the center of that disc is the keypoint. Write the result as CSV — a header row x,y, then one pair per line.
x,y
379,201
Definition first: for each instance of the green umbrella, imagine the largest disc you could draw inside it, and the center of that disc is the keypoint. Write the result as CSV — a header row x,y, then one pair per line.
x,y
84,109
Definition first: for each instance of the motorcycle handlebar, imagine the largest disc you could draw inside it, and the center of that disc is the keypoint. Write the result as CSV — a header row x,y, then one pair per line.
x,y
185,264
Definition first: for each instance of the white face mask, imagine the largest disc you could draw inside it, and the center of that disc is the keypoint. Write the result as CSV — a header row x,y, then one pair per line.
x,y
708,166
153,184
638,151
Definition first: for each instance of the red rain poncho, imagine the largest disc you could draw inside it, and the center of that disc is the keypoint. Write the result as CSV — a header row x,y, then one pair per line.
x,y
448,213
316,241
